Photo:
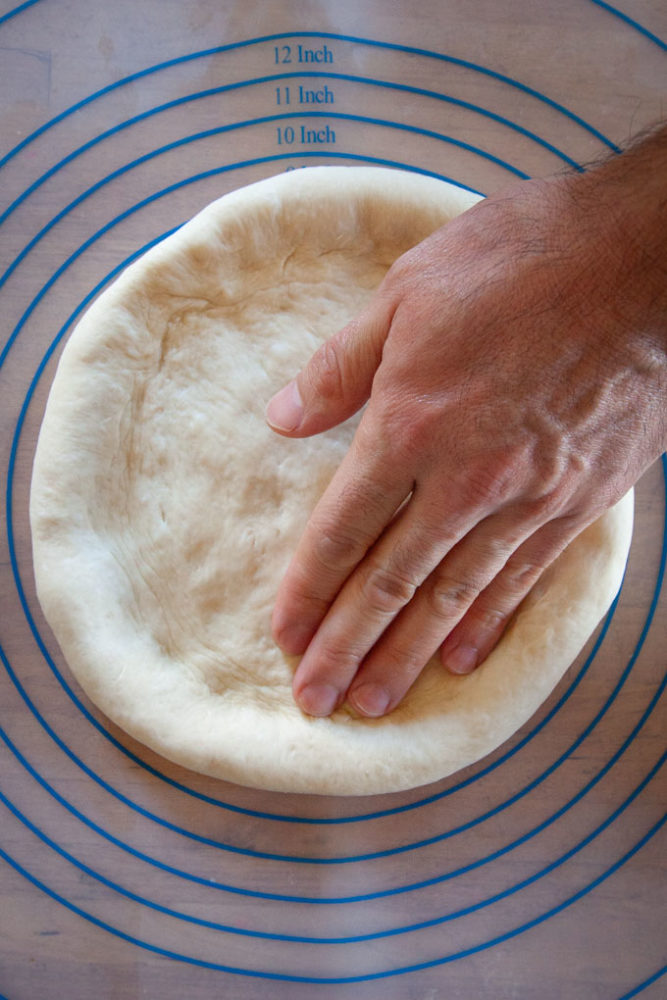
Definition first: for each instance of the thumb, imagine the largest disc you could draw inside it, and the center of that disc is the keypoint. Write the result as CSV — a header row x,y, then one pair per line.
x,y
337,380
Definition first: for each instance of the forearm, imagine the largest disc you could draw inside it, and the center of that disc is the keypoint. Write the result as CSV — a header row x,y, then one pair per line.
x,y
608,262
624,204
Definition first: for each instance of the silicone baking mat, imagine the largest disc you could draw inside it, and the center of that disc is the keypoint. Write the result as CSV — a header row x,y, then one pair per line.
x,y
540,870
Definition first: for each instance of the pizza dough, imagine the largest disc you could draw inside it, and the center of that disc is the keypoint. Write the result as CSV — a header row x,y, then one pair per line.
x,y
164,510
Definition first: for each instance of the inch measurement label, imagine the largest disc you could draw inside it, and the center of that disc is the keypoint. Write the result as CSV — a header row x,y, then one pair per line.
x,y
288,135
304,96
310,93
302,55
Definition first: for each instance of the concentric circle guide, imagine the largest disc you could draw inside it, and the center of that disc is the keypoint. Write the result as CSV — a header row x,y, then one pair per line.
x,y
139,831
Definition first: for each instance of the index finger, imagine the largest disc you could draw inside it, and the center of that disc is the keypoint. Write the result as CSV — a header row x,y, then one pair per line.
x,y
363,496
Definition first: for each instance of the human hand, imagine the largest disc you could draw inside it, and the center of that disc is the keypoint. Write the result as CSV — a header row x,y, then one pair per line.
x,y
514,369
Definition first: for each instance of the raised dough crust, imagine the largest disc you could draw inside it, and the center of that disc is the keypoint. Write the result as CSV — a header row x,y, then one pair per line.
x,y
164,510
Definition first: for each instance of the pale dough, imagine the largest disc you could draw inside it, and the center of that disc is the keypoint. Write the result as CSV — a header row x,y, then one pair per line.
x,y
164,510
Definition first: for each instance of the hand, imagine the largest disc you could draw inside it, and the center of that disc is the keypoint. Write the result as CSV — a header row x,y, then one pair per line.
x,y
514,368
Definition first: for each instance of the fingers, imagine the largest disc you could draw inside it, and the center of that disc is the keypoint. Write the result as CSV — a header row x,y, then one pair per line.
x,y
383,584
384,626
402,651
480,630
337,380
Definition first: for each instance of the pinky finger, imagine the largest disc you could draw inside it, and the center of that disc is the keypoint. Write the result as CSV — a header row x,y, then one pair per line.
x,y
481,628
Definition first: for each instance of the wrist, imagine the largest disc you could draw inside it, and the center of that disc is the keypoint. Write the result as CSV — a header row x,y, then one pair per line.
x,y
624,205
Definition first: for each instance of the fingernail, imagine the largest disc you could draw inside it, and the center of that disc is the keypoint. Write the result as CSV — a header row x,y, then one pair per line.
x,y
461,659
318,699
370,699
285,410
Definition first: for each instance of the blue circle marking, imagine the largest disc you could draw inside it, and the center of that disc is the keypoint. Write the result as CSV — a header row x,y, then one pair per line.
x,y
385,973
63,683
372,43
222,129
67,263
645,984
380,894
216,91
371,856
8,346
9,504
633,24
204,175
6,17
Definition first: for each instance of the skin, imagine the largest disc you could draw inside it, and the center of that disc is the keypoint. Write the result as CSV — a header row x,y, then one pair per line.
x,y
514,367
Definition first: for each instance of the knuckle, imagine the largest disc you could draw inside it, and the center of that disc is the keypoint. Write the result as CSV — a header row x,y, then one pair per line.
x,y
449,598
519,578
492,481
367,495
492,620
326,372
335,549
498,549
555,483
482,621
551,502
385,590
336,661
402,662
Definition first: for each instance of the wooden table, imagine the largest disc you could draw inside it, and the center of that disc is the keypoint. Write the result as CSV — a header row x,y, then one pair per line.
x,y
537,872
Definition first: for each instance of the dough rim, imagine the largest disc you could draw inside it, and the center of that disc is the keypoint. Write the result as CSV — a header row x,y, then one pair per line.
x,y
284,750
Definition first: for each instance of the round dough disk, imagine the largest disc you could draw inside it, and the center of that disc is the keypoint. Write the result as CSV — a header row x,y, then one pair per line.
x,y
164,510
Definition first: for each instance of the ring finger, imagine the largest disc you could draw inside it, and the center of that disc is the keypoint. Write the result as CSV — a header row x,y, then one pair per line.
x,y
494,547
481,628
